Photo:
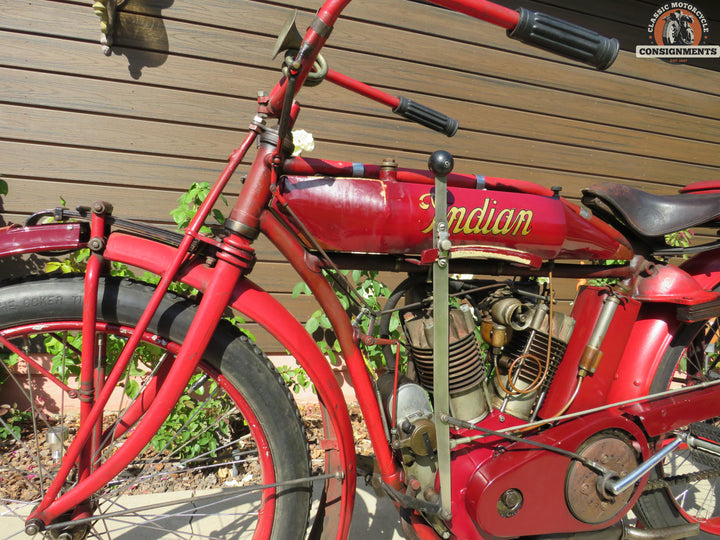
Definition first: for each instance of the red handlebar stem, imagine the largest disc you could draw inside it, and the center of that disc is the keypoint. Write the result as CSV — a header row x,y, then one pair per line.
x,y
328,14
485,11
363,89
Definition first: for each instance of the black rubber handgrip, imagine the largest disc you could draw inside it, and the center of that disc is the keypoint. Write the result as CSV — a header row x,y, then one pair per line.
x,y
566,39
426,116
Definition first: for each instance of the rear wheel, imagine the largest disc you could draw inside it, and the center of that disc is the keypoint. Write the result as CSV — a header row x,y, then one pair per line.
x,y
684,487
234,434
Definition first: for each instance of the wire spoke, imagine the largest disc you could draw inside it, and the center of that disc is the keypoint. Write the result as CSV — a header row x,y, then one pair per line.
x,y
208,501
212,457
160,457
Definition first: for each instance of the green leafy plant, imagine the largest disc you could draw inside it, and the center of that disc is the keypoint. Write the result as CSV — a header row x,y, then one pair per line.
x,y
375,292
295,378
189,431
680,238
192,431
76,262
189,203
65,358
12,420
9,360
73,263
677,239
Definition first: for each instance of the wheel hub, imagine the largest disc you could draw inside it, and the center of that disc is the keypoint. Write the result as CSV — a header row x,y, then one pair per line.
x,y
585,498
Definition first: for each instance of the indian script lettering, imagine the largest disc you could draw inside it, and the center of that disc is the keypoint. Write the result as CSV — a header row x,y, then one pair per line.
x,y
485,219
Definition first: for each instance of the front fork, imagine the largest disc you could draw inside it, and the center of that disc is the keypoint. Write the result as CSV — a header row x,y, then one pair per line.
x,y
235,258
90,383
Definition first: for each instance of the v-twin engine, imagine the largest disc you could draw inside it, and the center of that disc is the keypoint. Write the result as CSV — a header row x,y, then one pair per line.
x,y
507,342
504,349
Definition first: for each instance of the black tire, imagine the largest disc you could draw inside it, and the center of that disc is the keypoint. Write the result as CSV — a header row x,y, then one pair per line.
x,y
254,386
691,358
671,33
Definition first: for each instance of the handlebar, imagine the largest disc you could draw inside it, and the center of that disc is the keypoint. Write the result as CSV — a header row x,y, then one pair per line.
x,y
544,31
534,28
564,38
426,116
400,105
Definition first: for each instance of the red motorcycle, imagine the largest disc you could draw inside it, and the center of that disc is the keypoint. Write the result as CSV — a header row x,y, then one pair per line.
x,y
495,416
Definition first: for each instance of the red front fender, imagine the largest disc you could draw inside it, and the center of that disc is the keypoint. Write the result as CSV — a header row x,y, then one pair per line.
x,y
17,240
253,302
261,307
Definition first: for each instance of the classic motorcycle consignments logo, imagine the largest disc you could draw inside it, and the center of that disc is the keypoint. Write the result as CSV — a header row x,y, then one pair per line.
x,y
485,219
678,31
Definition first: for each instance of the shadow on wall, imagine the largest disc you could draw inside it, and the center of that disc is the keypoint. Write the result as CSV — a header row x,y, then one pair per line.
x,y
140,34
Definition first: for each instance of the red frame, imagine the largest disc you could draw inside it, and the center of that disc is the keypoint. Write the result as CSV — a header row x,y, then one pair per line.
x,y
649,330
226,284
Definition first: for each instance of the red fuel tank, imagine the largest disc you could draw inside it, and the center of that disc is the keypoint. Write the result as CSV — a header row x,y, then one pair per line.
x,y
363,215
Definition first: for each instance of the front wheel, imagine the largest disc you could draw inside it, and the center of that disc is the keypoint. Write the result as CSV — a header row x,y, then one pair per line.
x,y
684,488
232,448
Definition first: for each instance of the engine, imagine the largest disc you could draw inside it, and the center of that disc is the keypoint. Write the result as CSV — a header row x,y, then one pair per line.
x,y
505,345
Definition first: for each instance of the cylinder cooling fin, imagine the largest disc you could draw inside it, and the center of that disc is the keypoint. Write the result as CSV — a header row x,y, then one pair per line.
x,y
466,368
505,346
527,362
525,369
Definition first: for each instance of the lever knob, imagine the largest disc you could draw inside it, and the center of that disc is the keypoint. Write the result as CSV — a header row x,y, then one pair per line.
x,y
441,163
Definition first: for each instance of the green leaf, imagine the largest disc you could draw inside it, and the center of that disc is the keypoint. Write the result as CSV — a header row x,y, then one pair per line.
x,y
394,323
3,187
325,322
52,266
219,216
312,324
298,289
334,359
132,388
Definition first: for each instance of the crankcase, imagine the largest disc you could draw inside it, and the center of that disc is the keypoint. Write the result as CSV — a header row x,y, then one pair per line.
x,y
526,490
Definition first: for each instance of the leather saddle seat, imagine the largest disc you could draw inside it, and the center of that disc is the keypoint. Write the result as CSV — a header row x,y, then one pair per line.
x,y
649,215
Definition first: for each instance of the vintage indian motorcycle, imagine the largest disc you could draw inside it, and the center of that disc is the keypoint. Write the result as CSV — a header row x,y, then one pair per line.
x,y
496,416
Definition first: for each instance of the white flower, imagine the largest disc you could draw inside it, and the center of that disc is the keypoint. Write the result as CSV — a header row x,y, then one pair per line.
x,y
302,141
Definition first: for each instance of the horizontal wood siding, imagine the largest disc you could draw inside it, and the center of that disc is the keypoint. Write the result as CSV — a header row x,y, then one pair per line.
x,y
174,99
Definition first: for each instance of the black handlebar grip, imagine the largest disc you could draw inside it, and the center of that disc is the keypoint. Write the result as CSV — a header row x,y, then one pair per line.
x,y
426,116
566,39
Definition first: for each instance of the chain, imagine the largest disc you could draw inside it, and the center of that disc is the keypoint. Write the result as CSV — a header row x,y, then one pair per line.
x,y
709,432
661,483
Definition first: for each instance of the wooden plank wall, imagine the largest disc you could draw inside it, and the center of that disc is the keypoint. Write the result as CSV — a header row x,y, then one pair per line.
x,y
173,99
